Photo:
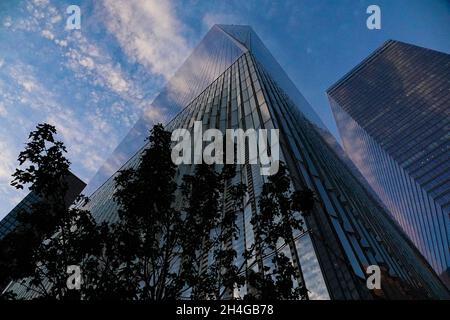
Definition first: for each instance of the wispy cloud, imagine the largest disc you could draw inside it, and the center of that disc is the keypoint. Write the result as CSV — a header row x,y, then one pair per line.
x,y
212,18
87,147
66,78
10,196
7,160
91,64
92,84
3,111
149,32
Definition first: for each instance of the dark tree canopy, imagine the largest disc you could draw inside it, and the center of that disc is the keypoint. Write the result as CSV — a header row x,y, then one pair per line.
x,y
51,236
275,224
165,231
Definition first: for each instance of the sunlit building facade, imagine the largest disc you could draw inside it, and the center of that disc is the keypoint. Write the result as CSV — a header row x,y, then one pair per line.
x,y
393,114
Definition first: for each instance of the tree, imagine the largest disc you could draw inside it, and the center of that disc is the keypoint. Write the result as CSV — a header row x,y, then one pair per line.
x,y
109,275
164,230
212,203
275,224
50,237
303,201
138,251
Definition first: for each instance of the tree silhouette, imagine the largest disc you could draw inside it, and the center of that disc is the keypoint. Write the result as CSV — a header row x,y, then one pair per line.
x,y
212,202
154,249
303,201
275,223
140,249
171,240
50,237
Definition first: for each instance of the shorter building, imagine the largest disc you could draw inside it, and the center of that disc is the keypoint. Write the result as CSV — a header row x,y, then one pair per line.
x,y
10,222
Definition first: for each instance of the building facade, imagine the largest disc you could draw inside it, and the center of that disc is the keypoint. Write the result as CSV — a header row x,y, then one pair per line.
x,y
393,114
232,81
10,222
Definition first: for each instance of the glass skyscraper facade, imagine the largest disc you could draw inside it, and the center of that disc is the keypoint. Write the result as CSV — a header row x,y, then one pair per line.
x,y
10,222
393,114
232,81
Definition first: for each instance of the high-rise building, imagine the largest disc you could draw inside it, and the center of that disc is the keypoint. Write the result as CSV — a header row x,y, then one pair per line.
x,y
232,81
393,114
10,222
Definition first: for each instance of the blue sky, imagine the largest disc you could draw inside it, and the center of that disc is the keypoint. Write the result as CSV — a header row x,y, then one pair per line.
x,y
94,83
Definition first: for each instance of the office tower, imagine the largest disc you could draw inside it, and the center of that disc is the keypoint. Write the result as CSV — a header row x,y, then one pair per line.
x,y
393,114
232,81
9,222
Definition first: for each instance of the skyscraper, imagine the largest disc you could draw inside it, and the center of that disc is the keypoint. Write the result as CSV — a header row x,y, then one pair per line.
x,y
10,222
232,81
393,114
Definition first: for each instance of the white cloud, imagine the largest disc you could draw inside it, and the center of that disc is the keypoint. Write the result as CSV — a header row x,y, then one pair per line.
x,y
7,22
212,18
55,19
3,111
114,78
88,147
23,75
41,2
155,115
91,64
10,196
84,58
148,32
92,130
87,62
48,34
28,85
7,162
61,43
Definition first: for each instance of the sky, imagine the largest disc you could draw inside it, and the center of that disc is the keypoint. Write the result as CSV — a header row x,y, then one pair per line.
x,y
94,83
